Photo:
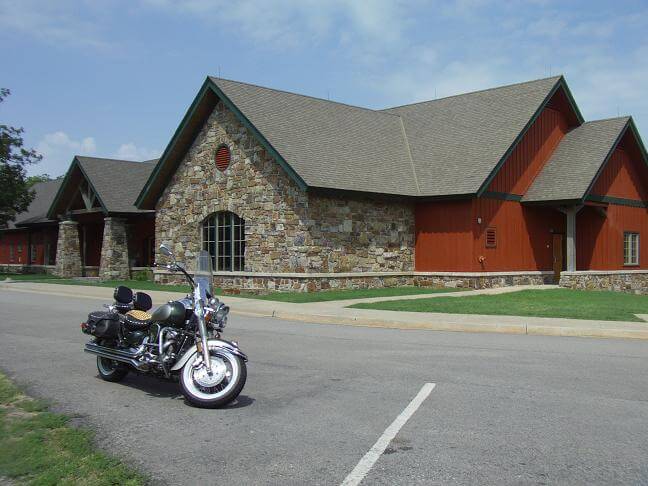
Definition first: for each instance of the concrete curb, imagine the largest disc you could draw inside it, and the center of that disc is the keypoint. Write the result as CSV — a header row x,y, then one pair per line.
x,y
327,314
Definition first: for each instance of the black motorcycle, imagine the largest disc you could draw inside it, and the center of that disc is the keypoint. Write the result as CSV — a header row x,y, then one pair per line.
x,y
179,340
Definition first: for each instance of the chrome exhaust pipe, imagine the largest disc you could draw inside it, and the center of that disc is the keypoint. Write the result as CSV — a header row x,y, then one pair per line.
x,y
116,355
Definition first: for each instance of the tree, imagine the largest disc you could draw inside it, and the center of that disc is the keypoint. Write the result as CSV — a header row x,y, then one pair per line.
x,y
35,179
15,194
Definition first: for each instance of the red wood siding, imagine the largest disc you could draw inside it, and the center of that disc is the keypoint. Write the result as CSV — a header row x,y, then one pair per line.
x,y
534,150
14,238
444,236
524,235
449,237
625,175
41,240
600,238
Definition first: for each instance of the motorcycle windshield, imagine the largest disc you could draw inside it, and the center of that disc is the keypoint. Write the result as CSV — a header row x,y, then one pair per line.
x,y
203,274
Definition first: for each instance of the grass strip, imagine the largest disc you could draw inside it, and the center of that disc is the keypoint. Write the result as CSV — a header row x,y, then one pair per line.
x,y
39,447
561,303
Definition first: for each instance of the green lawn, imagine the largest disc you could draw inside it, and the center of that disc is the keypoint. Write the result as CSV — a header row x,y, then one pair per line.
x,y
39,447
295,297
574,304
328,295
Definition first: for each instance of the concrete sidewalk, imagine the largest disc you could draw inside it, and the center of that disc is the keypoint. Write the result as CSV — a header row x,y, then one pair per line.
x,y
336,312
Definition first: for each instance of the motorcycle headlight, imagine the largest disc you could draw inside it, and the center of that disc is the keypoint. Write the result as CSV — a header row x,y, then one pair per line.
x,y
222,312
213,302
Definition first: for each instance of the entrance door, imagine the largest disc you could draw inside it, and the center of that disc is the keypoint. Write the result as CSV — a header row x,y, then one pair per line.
x,y
557,256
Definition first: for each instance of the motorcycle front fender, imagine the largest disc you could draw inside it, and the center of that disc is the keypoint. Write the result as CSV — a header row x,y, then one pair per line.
x,y
212,344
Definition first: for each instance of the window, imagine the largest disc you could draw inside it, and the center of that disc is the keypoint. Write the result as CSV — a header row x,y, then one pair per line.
x,y
224,238
631,248
491,238
33,254
222,158
11,253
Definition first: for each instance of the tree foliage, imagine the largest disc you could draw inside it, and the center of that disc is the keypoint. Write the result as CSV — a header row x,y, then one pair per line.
x,y
15,194
35,179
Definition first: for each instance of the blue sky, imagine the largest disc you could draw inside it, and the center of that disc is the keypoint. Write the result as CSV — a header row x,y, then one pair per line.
x,y
114,78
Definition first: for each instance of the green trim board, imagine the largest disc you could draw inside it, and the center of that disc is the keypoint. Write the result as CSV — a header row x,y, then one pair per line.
x,y
560,83
66,181
619,201
188,115
209,85
630,125
605,161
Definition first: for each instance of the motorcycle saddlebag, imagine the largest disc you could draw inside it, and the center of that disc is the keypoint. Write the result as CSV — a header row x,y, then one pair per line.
x,y
103,324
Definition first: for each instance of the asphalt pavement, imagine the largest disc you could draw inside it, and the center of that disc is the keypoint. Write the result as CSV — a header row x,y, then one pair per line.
x,y
506,409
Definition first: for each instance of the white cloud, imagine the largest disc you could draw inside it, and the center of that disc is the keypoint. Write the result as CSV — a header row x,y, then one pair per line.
x,y
130,151
284,23
56,22
58,150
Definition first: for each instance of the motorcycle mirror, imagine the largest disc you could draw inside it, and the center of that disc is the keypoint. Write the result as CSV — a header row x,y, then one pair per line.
x,y
165,251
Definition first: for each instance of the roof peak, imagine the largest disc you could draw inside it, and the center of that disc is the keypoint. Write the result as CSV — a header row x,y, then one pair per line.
x,y
86,157
612,118
216,78
494,88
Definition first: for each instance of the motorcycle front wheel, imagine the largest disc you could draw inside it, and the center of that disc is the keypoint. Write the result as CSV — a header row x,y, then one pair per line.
x,y
218,387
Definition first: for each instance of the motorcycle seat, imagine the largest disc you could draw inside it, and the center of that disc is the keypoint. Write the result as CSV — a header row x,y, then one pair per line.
x,y
136,320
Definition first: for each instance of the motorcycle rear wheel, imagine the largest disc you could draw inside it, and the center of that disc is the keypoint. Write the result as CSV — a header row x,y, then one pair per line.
x,y
110,370
228,377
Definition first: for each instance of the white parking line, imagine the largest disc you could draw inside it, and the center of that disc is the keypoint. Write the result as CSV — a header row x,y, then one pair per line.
x,y
366,463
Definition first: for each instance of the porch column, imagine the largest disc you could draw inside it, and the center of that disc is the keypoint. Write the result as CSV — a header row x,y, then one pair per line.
x,y
68,255
570,214
114,250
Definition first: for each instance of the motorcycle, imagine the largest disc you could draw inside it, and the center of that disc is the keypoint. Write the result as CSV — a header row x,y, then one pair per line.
x,y
179,340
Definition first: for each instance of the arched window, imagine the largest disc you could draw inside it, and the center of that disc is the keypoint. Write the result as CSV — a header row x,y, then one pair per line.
x,y
223,236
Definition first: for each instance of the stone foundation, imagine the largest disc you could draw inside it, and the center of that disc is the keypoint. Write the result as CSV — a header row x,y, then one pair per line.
x,y
68,254
256,282
114,251
631,281
18,268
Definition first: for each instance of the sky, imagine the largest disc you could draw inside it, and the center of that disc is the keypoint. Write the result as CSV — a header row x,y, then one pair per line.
x,y
114,78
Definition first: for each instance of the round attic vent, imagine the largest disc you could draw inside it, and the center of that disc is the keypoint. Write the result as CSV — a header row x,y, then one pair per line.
x,y
222,158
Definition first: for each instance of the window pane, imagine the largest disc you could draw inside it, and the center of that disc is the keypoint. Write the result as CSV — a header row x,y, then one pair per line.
x,y
224,238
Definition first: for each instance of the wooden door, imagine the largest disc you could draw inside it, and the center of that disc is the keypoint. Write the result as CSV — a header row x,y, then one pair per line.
x,y
557,256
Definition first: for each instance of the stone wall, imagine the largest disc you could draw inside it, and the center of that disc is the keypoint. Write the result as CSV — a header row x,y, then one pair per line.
x,y
631,281
236,282
287,229
19,268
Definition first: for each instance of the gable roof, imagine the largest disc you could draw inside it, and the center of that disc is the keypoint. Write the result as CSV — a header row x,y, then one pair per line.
x,y
459,142
36,213
115,182
443,147
576,162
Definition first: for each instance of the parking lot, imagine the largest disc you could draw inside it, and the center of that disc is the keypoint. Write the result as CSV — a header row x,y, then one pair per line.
x,y
504,409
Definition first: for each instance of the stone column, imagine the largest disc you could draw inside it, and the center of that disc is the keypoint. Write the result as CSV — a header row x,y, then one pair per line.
x,y
114,250
68,255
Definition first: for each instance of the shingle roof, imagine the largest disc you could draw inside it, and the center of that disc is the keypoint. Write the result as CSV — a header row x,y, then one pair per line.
x,y
443,147
328,144
37,210
117,182
576,161
457,142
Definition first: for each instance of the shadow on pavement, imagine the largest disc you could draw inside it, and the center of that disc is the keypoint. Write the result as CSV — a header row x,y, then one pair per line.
x,y
159,388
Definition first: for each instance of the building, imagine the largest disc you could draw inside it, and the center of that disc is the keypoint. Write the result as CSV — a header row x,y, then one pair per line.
x,y
88,223
500,186
288,192
30,241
